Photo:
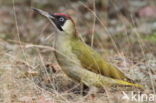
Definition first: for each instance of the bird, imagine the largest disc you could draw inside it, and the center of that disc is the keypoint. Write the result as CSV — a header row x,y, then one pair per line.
x,y
78,60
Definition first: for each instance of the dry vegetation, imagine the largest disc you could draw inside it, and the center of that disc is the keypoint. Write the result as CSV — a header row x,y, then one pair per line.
x,y
29,72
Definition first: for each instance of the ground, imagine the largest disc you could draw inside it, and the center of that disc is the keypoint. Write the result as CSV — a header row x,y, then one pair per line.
x,y
29,72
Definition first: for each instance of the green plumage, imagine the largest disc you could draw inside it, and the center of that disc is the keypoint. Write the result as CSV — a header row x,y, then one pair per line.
x,y
83,64
92,61
105,73
79,61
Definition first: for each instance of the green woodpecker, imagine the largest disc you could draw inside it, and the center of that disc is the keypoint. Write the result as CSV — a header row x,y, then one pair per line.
x,y
79,61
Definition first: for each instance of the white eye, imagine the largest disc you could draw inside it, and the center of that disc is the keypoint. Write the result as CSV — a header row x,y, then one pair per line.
x,y
61,19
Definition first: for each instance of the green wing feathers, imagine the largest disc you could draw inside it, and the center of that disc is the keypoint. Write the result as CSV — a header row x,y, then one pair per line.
x,y
92,61
97,71
100,81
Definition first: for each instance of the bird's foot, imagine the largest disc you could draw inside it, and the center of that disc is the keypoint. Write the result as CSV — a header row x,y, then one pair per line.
x,y
91,93
52,67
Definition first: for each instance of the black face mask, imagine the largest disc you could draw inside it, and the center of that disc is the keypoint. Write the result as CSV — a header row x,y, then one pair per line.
x,y
59,21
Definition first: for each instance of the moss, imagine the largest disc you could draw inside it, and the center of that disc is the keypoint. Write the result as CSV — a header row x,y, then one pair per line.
x,y
6,36
151,37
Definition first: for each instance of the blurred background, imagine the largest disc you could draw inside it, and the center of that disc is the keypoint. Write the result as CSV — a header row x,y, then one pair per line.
x,y
123,31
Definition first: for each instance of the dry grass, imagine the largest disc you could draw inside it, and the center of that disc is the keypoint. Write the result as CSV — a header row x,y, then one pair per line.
x,y
25,78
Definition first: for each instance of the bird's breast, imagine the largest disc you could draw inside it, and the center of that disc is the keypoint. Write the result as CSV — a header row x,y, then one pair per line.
x,y
65,57
68,61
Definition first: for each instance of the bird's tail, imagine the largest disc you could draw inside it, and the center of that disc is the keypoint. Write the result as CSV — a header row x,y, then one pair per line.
x,y
102,80
121,82
92,79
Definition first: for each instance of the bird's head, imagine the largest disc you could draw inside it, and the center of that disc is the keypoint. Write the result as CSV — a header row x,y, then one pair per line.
x,y
62,21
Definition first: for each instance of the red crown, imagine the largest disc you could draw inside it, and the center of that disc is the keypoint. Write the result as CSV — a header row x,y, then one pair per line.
x,y
62,14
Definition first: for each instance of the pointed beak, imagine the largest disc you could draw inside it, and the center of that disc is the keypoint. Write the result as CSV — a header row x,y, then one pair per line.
x,y
44,13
